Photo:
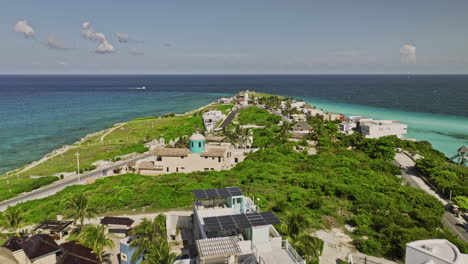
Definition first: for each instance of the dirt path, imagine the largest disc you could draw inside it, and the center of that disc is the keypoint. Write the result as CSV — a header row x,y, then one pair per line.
x,y
49,156
119,125
338,245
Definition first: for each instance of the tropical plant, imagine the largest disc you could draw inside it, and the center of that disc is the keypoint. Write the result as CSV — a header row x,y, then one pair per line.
x,y
182,142
13,217
78,208
297,232
147,234
159,253
95,238
462,201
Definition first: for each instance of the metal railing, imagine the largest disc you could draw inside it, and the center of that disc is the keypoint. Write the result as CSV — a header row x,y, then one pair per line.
x,y
292,252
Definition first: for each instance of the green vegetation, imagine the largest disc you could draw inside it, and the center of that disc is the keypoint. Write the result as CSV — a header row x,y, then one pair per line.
x,y
126,139
78,209
462,201
12,219
336,186
297,229
351,180
96,238
445,176
151,241
257,116
261,96
21,185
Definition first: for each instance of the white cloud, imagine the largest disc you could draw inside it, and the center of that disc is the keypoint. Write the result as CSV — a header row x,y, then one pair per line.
x,y
122,37
88,33
54,43
22,26
408,54
105,47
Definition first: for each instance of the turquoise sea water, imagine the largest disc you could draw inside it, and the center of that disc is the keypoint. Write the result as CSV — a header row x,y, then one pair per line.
x,y
446,132
40,113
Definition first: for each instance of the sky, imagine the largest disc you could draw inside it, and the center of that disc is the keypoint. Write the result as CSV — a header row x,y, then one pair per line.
x,y
234,37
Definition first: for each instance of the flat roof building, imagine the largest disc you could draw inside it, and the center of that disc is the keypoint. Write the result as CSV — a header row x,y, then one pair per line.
x,y
434,251
382,128
230,228
211,118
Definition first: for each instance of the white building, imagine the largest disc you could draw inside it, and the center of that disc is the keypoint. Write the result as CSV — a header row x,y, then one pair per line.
x,y
200,156
332,117
298,118
211,118
229,228
311,111
381,128
224,100
294,105
350,126
434,251
246,99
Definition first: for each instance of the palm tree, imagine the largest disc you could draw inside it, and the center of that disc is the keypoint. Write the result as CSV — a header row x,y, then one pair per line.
x,y
159,253
13,218
147,234
182,142
95,238
78,208
297,232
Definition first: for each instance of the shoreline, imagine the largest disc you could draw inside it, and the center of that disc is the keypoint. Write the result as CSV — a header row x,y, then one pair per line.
x,y
325,105
65,148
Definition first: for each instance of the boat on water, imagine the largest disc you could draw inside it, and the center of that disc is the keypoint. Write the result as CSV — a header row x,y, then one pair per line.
x,y
141,88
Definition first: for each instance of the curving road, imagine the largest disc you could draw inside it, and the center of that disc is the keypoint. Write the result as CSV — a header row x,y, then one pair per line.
x,y
61,184
410,175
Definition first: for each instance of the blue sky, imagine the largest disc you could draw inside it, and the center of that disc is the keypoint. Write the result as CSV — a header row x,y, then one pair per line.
x,y
243,36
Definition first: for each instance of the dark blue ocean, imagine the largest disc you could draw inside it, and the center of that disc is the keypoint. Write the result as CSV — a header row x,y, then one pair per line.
x,y
41,113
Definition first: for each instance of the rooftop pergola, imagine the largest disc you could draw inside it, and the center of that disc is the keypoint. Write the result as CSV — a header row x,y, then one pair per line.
x,y
218,247
53,225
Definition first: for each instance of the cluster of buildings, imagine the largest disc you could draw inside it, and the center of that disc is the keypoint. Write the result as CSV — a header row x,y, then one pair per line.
x,y
303,110
224,227
44,249
229,228
203,154
370,128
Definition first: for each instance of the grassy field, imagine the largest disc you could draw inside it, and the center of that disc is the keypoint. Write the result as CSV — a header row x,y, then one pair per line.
x,y
257,116
123,139
264,95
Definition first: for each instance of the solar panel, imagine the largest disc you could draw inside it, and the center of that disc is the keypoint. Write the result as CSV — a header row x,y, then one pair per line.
x,y
217,193
239,221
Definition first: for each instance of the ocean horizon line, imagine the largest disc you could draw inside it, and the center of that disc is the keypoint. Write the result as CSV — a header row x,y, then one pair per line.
x,y
235,74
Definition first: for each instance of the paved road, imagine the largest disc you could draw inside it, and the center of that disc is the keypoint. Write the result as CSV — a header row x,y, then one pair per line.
x,y
229,118
411,176
61,184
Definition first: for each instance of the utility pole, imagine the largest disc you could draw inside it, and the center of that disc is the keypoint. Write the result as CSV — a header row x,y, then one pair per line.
x,y
78,165
9,187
